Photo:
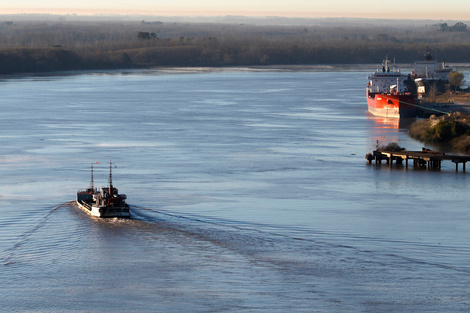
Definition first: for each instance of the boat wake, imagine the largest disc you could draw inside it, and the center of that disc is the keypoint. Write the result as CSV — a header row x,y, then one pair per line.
x,y
24,238
264,239
155,215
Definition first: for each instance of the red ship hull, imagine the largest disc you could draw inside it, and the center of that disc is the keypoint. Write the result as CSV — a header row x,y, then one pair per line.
x,y
392,105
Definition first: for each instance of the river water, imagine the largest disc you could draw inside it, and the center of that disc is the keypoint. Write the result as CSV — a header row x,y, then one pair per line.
x,y
249,191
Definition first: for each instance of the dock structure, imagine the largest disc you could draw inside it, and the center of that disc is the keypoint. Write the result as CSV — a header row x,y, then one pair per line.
x,y
422,159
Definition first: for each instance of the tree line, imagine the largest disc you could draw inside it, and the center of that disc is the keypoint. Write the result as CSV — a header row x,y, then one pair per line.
x,y
51,46
458,27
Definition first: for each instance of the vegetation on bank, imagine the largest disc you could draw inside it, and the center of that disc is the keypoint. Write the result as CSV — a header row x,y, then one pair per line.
x,y
36,60
29,46
456,79
453,129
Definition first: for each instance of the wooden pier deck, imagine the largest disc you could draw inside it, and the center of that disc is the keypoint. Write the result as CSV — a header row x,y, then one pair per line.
x,y
424,159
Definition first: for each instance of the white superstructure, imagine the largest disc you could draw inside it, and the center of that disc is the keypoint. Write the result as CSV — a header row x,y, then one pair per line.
x,y
387,80
430,69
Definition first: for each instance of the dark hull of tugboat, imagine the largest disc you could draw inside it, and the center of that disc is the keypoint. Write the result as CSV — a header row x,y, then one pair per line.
x,y
392,106
104,212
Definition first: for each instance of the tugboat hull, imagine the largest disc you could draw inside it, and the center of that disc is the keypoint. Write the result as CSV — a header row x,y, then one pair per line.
x,y
104,212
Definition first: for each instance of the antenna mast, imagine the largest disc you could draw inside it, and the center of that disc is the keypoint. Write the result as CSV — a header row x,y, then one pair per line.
x,y
110,175
91,183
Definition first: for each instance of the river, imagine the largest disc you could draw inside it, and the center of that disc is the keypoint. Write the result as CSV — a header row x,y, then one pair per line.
x,y
249,191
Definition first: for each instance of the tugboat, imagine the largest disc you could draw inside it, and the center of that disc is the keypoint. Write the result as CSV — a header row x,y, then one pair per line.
x,y
103,202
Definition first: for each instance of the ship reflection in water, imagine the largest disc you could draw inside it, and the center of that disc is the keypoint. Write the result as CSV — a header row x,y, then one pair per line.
x,y
387,130
394,123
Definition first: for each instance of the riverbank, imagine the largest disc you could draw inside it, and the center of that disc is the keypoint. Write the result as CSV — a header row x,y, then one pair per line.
x,y
460,102
449,129
57,59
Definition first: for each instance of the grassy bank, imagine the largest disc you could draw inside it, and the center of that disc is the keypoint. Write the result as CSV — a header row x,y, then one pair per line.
x,y
453,130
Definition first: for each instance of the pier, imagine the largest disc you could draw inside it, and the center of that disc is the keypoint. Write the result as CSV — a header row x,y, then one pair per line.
x,y
421,159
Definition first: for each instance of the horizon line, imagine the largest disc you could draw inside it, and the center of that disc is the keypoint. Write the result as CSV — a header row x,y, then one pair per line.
x,y
97,14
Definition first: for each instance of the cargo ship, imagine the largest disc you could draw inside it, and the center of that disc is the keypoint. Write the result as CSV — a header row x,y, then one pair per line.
x,y
104,201
430,77
388,95
431,69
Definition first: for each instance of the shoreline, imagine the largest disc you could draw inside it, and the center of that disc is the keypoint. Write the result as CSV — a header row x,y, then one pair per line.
x,y
336,67
197,69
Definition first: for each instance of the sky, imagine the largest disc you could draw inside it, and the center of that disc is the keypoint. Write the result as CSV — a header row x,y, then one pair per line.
x,y
395,9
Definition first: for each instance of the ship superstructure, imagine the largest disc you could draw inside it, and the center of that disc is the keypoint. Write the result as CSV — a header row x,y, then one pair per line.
x,y
431,69
430,76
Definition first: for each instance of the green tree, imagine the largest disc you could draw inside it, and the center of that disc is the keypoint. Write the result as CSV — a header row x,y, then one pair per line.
x,y
456,79
459,27
443,27
143,35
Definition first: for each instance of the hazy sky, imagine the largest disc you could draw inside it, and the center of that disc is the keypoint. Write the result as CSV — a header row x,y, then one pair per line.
x,y
409,9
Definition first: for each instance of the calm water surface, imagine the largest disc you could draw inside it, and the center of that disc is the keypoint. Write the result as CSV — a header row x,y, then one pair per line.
x,y
249,192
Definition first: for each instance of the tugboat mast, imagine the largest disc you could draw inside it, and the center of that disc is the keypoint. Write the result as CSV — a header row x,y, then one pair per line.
x,y
110,179
92,187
